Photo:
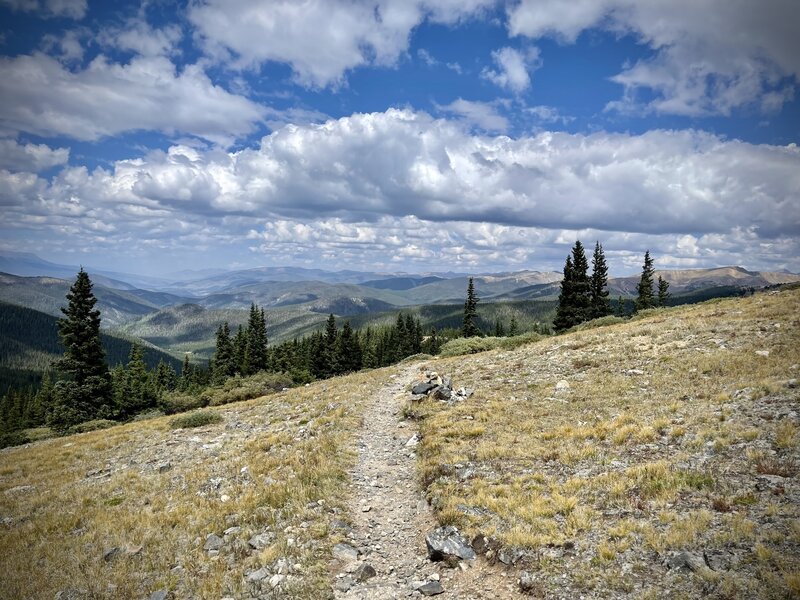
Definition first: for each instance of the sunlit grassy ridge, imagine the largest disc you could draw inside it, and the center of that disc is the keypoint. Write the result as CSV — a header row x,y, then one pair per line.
x,y
263,468
672,435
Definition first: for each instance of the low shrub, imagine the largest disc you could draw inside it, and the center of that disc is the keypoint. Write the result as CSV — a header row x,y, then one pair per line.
x,y
14,438
473,345
195,419
92,425
598,322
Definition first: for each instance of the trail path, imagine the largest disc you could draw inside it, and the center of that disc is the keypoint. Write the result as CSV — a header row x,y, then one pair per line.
x,y
391,517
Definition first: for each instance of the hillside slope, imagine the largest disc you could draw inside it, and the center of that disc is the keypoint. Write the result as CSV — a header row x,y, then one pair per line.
x,y
655,458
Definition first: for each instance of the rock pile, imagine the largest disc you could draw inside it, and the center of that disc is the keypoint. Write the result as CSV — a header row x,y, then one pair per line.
x,y
439,388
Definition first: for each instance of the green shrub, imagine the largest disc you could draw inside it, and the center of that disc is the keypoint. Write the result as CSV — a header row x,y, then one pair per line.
x,y
92,425
416,357
148,414
599,322
195,419
176,402
14,438
473,345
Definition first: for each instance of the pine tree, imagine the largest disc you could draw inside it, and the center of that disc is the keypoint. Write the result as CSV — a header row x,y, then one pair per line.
x,y
331,335
565,313
644,291
513,328
469,327
224,356
600,305
499,330
432,344
620,307
135,392
85,393
348,350
165,378
663,291
256,341
581,285
240,350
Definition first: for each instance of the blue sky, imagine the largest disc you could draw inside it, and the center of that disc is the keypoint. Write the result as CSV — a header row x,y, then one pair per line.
x,y
473,135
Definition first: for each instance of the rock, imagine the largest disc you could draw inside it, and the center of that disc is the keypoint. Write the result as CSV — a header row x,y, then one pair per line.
x,y
70,594
213,542
276,580
447,382
562,386
339,525
364,571
510,556
260,541
259,575
345,552
423,387
763,353
432,588
685,561
446,543
412,441
232,530
791,384
159,595
164,467
527,582
480,544
343,584
441,393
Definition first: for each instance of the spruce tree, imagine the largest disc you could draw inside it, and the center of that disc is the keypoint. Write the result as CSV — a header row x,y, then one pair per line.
x,y
331,335
513,328
348,350
240,350
644,291
499,330
581,285
600,305
224,356
256,349
565,312
469,327
135,391
663,291
85,391
620,307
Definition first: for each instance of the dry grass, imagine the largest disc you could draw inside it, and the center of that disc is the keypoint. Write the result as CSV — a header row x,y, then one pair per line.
x,y
264,468
662,443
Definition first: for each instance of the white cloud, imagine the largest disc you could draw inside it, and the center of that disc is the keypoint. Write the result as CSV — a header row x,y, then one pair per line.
x,y
320,39
73,9
30,157
548,114
483,115
711,57
42,97
376,186
138,36
514,68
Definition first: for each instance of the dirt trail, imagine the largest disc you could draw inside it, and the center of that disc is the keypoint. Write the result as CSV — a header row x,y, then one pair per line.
x,y
391,518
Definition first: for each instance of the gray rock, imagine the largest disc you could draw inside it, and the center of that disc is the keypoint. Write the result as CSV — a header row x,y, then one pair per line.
x,y
213,542
260,541
164,467
685,561
276,580
562,386
441,392
792,383
364,571
259,575
345,552
432,588
423,387
232,530
510,556
446,543
527,582
339,525
343,584
159,595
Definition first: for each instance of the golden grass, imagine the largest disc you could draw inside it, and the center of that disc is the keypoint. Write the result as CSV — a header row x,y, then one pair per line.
x,y
104,489
656,446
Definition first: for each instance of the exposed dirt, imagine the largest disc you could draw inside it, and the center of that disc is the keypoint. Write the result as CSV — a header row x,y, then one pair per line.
x,y
391,517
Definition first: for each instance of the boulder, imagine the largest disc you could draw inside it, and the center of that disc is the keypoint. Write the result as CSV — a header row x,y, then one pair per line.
x,y
446,543
213,542
345,552
364,571
422,387
432,588
685,561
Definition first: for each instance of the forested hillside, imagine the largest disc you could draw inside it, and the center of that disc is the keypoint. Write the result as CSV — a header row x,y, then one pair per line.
x,y
29,343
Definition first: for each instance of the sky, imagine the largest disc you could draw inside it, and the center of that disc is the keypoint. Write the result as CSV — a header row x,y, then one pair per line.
x,y
400,135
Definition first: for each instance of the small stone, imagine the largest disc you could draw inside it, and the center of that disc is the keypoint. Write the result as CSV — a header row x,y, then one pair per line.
x,y
527,582
276,580
792,383
259,575
260,541
685,561
423,387
562,386
213,542
345,552
159,595
364,571
366,508
412,441
232,530
446,543
432,588
763,353
164,467
344,584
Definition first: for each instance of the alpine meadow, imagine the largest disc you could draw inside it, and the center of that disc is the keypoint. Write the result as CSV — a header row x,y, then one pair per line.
x,y
387,299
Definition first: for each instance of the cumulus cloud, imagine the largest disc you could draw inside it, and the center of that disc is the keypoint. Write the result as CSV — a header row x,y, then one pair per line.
x,y
72,9
710,57
320,39
482,115
30,157
359,177
43,97
513,68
